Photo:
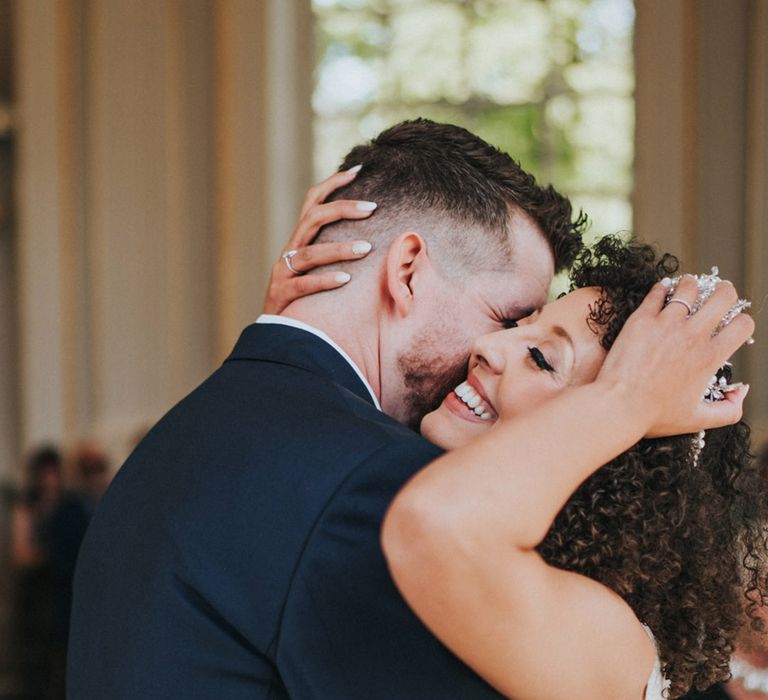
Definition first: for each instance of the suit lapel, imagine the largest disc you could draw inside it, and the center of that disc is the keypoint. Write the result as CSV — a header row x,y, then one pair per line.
x,y
295,347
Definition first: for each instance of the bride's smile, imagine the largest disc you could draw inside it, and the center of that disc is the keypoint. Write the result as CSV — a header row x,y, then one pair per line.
x,y
512,371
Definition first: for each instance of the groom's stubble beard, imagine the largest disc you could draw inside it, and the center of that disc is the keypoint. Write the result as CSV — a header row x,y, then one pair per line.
x,y
429,374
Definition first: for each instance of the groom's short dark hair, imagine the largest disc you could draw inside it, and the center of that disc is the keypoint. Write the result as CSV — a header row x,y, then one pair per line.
x,y
455,189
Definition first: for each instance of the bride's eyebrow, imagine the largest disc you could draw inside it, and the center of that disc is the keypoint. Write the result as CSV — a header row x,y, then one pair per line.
x,y
565,335
560,331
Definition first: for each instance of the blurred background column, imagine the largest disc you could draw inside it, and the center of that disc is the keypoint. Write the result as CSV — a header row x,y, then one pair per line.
x,y
263,143
163,147
701,164
9,442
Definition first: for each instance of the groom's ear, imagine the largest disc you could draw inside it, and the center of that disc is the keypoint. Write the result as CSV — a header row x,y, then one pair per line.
x,y
407,260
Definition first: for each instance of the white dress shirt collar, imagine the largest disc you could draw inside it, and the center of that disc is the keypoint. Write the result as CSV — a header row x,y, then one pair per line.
x,y
293,323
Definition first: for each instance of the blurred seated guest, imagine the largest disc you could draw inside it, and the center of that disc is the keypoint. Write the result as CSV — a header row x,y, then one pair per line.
x,y
64,534
41,496
749,664
32,571
93,470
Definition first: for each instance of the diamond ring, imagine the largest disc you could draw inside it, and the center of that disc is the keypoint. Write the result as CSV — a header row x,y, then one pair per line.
x,y
287,260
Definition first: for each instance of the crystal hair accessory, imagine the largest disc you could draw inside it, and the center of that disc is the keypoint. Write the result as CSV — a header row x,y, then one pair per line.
x,y
719,384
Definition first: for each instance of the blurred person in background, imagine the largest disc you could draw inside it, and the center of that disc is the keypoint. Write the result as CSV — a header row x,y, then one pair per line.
x,y
64,534
94,473
48,526
30,558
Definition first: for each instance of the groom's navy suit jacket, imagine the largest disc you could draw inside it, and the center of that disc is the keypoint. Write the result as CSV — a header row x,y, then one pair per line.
x,y
236,555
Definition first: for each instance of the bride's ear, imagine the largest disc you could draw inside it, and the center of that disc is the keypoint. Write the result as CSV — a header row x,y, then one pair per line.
x,y
407,261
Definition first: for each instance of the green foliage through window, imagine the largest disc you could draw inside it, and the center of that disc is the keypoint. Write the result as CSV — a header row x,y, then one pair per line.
x,y
549,81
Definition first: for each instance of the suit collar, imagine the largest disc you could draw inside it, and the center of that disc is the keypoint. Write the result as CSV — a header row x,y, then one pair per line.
x,y
297,347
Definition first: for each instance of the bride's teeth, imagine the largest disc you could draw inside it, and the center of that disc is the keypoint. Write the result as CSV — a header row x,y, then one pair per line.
x,y
472,400
462,389
468,395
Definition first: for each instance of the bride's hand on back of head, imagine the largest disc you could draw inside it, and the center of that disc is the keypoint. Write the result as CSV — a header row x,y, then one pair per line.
x,y
287,282
663,360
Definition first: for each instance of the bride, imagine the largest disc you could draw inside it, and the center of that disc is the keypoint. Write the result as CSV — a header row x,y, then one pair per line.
x,y
549,574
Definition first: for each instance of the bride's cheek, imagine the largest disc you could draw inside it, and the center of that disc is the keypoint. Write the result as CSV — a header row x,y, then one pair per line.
x,y
525,398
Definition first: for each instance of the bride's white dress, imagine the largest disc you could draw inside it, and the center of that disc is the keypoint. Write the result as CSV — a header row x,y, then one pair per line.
x,y
656,683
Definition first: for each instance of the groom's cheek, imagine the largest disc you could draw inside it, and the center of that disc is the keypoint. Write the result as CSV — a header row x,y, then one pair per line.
x,y
428,379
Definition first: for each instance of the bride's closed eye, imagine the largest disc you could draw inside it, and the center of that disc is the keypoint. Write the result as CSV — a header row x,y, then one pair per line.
x,y
508,323
540,360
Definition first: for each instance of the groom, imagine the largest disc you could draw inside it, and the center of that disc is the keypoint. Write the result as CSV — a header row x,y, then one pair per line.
x,y
237,554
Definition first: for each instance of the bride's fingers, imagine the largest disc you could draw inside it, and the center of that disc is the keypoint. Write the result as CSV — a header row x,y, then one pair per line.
x,y
735,334
280,296
321,214
310,257
716,414
320,191
711,414
653,303
285,286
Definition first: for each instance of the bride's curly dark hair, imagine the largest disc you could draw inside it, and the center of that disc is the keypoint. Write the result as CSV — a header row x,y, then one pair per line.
x,y
683,545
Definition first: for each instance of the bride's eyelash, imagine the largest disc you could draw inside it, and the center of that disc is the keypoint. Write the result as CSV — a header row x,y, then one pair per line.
x,y
540,360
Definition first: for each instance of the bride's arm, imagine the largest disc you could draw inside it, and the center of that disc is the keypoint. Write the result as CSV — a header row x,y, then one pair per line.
x,y
460,537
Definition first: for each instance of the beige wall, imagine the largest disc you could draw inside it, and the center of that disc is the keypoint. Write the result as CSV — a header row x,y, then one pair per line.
x,y
701,183
8,378
161,159
163,149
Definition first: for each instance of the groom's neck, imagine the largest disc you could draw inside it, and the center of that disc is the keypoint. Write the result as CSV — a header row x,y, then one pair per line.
x,y
353,329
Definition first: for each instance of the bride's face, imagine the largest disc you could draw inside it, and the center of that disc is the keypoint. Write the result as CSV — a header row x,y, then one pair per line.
x,y
512,371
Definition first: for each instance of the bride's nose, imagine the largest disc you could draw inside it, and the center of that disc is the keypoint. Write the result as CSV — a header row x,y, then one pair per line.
x,y
488,352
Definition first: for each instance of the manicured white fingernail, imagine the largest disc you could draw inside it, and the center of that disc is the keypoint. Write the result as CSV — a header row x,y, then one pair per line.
x,y
343,277
361,247
666,282
366,206
355,169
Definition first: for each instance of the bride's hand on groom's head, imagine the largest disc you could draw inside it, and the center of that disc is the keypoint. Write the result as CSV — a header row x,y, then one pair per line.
x,y
287,282
663,360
